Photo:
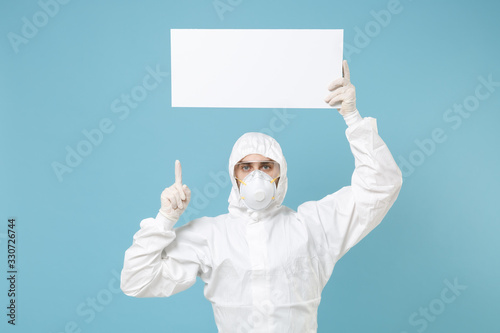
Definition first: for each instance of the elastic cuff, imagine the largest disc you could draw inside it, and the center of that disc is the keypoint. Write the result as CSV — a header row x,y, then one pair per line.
x,y
167,223
352,118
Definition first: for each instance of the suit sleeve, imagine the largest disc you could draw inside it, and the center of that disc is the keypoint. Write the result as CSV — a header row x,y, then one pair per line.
x,y
163,261
340,220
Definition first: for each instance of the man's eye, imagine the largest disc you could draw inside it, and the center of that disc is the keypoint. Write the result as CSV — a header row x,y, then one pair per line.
x,y
267,166
245,167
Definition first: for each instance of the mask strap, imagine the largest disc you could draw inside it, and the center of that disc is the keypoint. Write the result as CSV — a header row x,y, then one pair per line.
x,y
272,181
241,180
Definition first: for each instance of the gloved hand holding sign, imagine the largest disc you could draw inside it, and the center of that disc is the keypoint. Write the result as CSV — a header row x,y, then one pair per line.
x,y
343,91
174,199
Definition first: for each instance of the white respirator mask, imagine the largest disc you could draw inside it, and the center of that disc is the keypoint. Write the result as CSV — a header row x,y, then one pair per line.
x,y
257,190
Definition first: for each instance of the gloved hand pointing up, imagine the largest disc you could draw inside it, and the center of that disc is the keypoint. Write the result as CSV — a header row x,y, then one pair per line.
x,y
174,199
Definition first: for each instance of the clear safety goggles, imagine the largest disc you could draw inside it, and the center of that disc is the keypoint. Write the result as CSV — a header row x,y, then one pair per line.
x,y
242,169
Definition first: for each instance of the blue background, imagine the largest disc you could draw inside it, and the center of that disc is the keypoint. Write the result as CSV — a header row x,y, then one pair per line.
x,y
73,232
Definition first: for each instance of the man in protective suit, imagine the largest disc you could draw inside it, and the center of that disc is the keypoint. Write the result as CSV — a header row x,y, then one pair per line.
x,y
265,265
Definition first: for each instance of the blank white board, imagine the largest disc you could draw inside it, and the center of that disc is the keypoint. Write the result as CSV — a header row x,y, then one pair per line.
x,y
254,68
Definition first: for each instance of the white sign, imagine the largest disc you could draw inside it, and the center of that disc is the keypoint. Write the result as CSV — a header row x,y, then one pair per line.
x,y
254,68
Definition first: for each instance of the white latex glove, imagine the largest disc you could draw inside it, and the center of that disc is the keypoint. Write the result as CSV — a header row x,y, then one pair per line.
x,y
342,91
174,199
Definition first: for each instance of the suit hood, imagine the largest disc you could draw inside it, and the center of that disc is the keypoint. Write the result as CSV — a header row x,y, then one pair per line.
x,y
265,145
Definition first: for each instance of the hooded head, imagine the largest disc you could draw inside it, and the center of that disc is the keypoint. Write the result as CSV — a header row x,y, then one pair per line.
x,y
262,144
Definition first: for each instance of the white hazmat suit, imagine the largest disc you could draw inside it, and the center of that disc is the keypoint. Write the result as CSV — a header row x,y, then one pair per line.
x,y
264,271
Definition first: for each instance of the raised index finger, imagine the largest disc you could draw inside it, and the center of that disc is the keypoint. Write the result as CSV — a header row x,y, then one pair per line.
x,y
345,70
178,172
